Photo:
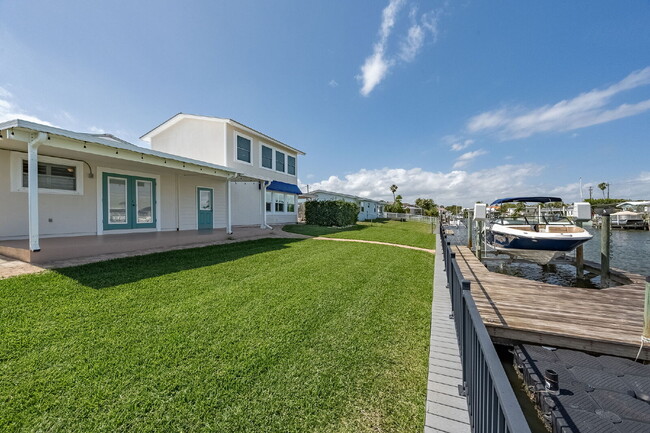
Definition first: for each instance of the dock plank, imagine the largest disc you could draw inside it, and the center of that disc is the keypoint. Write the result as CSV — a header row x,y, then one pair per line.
x,y
607,321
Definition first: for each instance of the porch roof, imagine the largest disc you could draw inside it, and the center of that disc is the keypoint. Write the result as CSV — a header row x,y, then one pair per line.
x,y
104,141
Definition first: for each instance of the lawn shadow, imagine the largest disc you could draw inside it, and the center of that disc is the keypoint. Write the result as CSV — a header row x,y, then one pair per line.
x,y
115,272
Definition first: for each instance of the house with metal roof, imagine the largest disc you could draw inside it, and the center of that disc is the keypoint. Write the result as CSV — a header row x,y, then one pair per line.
x,y
201,173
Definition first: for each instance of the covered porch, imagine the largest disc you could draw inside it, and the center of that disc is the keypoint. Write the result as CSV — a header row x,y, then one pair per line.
x,y
87,249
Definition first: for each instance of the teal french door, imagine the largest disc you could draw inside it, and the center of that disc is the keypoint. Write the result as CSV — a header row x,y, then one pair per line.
x,y
129,202
205,207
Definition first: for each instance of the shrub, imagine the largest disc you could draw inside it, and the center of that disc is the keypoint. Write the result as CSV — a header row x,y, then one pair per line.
x,y
337,213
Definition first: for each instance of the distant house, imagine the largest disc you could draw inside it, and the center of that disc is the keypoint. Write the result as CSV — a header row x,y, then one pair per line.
x,y
368,208
201,173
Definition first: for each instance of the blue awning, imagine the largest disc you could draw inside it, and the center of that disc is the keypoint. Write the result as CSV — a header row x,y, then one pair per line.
x,y
527,199
283,187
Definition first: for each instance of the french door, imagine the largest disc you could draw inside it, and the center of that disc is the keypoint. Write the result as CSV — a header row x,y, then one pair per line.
x,y
129,202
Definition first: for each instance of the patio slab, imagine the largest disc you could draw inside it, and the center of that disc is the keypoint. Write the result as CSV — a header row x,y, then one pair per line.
x,y
79,250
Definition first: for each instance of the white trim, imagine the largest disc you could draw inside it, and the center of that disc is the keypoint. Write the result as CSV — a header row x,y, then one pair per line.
x,y
16,169
100,198
234,156
275,159
273,150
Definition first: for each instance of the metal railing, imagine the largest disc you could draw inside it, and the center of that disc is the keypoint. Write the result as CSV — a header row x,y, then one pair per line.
x,y
491,401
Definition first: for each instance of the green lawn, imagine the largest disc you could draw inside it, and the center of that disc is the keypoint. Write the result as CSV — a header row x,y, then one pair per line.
x,y
275,335
415,234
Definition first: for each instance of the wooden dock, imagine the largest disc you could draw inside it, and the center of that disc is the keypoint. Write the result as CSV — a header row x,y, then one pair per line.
x,y
605,321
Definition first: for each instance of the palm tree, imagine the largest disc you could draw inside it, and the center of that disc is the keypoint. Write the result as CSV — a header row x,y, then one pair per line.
x,y
602,186
393,188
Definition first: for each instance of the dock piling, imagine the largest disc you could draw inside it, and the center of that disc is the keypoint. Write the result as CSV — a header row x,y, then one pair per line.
x,y
580,259
646,310
469,231
604,250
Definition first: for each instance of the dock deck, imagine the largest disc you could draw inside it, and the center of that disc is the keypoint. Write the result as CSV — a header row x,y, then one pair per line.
x,y
606,321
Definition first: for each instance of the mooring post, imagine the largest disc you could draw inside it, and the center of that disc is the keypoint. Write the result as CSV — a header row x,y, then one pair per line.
x,y
469,232
604,250
479,244
580,259
646,310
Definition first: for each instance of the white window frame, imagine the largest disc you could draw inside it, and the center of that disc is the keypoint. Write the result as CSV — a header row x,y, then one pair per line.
x,y
17,159
273,150
295,158
286,203
275,158
234,155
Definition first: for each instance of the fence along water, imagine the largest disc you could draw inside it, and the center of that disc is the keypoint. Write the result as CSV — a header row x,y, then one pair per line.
x,y
492,404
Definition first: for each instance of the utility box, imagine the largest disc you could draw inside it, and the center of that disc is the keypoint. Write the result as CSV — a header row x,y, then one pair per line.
x,y
480,212
582,211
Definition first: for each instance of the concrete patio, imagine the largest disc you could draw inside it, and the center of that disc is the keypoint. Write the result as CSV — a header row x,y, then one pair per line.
x,y
74,250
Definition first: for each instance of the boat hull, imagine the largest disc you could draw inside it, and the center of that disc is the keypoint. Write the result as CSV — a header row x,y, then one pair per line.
x,y
533,246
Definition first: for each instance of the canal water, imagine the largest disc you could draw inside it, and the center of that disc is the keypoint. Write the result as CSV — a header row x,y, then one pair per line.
x,y
629,251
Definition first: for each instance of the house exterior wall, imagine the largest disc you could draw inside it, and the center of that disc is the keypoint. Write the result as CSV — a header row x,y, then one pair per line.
x,y
193,138
246,203
67,214
255,169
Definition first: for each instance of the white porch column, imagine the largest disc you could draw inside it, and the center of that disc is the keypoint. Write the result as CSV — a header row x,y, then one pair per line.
x,y
228,208
32,190
263,204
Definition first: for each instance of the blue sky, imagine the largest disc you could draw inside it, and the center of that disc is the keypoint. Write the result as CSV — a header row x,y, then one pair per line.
x,y
456,101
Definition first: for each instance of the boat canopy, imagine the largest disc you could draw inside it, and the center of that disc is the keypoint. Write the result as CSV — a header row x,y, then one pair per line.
x,y
634,203
527,199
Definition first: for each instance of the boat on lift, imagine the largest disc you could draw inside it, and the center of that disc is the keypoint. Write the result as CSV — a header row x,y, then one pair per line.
x,y
538,234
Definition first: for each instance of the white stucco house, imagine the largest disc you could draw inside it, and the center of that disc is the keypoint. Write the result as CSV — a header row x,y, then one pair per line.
x,y
368,208
201,173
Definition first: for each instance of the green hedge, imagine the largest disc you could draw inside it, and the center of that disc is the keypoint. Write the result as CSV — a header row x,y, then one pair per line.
x,y
337,213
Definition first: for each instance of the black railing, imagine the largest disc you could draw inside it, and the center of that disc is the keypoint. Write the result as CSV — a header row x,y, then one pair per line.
x,y
491,401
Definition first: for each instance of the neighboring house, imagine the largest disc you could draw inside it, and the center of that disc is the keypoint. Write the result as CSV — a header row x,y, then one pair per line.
x,y
368,208
201,173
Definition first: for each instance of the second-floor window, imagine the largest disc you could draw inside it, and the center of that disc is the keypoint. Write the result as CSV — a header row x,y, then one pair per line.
x,y
243,149
267,157
279,161
291,165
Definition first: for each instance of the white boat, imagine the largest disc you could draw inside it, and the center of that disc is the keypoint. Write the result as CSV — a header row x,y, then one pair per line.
x,y
534,234
627,220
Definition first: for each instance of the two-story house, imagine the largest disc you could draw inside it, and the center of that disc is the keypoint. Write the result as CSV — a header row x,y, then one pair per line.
x,y
201,174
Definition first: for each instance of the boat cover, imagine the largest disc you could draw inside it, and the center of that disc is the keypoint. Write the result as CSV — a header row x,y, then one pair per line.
x,y
283,187
527,199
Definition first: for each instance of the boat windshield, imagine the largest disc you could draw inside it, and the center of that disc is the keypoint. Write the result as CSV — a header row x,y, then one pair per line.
x,y
530,216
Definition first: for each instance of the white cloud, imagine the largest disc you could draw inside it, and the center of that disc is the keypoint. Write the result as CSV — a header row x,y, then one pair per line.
x,y
333,83
467,157
584,110
9,110
455,187
460,145
378,64
416,35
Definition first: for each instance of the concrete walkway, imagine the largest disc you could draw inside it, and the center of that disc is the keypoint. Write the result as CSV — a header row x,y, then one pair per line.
x,y
377,243
446,410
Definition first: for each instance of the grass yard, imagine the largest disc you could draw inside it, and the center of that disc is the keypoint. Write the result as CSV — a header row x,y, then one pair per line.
x,y
275,335
415,234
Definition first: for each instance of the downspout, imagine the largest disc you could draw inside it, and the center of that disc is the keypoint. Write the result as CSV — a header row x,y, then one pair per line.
x,y
228,207
32,176
264,224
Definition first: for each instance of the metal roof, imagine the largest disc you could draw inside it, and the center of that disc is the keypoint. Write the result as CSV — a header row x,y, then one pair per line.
x,y
356,197
107,140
